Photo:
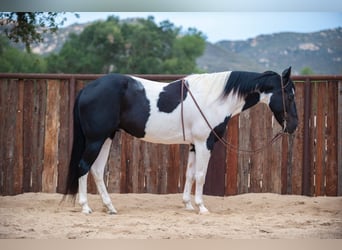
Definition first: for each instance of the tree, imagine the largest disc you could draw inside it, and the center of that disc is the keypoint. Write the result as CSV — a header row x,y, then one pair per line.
x,y
306,71
145,47
28,27
97,50
14,60
134,46
185,51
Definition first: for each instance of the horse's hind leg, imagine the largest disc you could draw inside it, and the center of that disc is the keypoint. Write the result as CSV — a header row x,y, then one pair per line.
x,y
97,171
89,156
82,191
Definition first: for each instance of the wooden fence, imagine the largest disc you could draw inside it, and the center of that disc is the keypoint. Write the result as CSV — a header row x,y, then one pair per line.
x,y
36,138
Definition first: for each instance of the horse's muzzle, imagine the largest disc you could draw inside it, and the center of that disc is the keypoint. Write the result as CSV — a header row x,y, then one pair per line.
x,y
290,127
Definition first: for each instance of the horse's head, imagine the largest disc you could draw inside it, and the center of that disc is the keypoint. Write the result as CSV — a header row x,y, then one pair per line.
x,y
282,103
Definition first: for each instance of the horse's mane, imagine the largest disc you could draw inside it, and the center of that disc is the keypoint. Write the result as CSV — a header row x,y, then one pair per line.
x,y
243,82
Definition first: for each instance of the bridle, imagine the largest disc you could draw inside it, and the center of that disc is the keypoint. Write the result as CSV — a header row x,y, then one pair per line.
x,y
222,140
284,105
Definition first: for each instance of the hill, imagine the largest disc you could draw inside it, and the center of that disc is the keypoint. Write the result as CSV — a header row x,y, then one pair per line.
x,y
320,51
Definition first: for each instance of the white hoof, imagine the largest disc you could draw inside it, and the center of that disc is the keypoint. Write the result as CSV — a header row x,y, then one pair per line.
x,y
203,210
112,211
86,209
188,206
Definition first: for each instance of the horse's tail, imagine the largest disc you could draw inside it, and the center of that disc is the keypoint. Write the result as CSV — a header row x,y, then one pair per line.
x,y
78,149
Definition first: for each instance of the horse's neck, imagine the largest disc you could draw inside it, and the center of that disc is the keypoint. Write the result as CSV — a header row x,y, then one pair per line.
x,y
212,83
250,101
234,104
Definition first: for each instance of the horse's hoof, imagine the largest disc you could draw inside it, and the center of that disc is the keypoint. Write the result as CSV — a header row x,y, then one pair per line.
x,y
87,211
203,210
112,212
188,206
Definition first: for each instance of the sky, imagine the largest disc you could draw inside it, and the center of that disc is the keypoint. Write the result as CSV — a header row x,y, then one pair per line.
x,y
219,26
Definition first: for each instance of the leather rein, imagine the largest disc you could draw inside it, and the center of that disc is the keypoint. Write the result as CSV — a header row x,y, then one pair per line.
x,y
222,140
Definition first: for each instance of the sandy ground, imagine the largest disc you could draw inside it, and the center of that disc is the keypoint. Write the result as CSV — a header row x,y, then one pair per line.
x,y
148,216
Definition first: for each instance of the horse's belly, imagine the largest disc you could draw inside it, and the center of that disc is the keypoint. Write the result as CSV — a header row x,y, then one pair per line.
x,y
165,129
165,140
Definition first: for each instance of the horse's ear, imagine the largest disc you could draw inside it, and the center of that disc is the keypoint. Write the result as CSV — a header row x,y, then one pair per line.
x,y
286,74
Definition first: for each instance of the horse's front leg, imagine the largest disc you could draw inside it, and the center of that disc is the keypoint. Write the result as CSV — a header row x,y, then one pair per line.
x,y
202,160
190,178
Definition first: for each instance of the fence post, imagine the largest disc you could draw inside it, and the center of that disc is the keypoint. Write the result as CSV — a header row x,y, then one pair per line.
x,y
306,184
339,141
71,108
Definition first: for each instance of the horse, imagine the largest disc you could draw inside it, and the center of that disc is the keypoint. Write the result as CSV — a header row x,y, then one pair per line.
x,y
194,111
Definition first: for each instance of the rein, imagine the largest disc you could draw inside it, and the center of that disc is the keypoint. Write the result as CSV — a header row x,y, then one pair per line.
x,y
222,140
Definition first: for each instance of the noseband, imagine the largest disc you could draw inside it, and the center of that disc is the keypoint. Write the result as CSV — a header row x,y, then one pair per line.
x,y
222,140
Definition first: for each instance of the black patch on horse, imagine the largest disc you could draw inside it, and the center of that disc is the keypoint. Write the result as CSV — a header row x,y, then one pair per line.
x,y
250,100
192,148
244,83
219,130
135,109
170,97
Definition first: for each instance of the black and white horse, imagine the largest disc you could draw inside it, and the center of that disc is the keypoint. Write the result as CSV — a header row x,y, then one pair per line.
x,y
153,112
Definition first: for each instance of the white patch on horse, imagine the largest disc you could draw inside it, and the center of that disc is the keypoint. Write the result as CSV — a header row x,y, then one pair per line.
x,y
265,98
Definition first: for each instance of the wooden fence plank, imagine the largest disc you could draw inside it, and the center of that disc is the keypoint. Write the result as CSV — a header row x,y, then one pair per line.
x,y
5,152
272,167
244,159
297,149
49,174
72,97
136,165
18,167
302,172
173,169
215,178
147,166
129,163
184,151
123,186
126,154
232,157
313,136
312,132
331,140
307,139
258,138
63,138
3,118
320,141
10,129
8,121
39,121
339,136
286,168
151,168
29,136
163,162
141,170
114,165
